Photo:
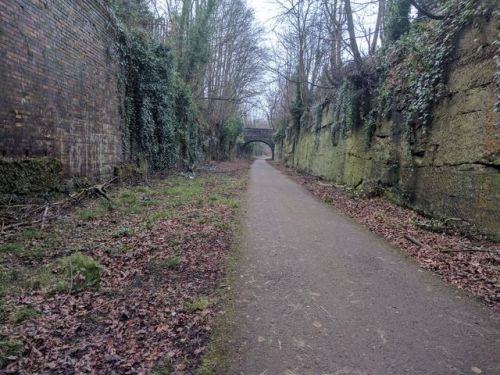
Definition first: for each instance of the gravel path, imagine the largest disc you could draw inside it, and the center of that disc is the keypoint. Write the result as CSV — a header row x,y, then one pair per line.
x,y
319,294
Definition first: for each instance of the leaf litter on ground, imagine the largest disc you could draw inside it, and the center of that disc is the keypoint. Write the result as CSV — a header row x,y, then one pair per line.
x,y
160,251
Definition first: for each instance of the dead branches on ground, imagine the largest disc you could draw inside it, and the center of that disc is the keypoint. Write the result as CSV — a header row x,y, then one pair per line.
x,y
14,217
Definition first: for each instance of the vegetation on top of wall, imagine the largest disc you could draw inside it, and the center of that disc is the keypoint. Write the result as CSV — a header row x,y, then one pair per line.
x,y
407,75
397,22
186,92
414,68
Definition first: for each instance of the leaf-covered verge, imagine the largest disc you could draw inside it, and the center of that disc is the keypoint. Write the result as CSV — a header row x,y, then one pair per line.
x,y
126,286
470,263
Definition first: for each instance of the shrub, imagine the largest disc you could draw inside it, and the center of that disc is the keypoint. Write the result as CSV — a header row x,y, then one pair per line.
x,y
80,272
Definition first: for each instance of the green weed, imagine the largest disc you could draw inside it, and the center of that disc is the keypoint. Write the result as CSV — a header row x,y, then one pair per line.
x,y
31,234
128,197
143,190
121,232
183,192
134,210
23,314
173,261
13,248
80,272
89,214
147,202
198,304
8,349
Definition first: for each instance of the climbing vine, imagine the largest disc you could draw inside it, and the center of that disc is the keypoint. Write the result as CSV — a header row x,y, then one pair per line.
x,y
231,135
279,135
160,118
397,21
407,75
413,69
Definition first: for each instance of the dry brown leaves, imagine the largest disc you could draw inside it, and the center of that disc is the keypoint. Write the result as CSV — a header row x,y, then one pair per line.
x,y
138,318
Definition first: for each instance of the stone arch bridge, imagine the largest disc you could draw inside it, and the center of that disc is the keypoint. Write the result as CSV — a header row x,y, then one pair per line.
x,y
264,135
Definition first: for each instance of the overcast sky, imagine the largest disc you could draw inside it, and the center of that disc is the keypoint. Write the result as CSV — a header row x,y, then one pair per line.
x,y
264,11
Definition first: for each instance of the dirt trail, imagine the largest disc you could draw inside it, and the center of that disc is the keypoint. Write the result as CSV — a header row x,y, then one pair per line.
x,y
318,294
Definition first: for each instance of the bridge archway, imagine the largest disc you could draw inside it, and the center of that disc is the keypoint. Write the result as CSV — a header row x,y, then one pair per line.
x,y
271,146
263,135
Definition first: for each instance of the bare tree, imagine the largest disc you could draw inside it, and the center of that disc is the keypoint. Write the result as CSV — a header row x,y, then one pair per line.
x,y
234,67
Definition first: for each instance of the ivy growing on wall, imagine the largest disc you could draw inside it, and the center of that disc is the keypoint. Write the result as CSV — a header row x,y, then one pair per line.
x,y
397,21
413,69
279,135
344,107
159,115
407,75
231,134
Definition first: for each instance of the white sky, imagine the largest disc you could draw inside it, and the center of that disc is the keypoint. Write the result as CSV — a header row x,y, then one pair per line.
x,y
265,10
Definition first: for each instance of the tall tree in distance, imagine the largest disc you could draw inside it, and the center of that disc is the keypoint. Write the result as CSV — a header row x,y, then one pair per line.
x,y
234,70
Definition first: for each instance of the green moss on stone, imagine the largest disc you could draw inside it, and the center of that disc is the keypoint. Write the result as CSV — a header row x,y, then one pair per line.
x,y
30,176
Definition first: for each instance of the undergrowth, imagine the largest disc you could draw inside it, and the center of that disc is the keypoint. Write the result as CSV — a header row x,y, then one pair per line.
x,y
172,231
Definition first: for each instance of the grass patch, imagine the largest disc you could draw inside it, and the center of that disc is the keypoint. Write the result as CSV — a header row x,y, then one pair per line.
x,y
198,304
14,280
100,210
31,234
121,232
157,216
165,367
173,261
134,209
128,197
80,272
13,248
38,278
28,250
148,202
23,314
183,191
89,214
138,217
8,348
143,190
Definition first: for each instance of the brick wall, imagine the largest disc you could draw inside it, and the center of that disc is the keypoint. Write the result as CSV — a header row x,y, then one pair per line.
x,y
58,85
